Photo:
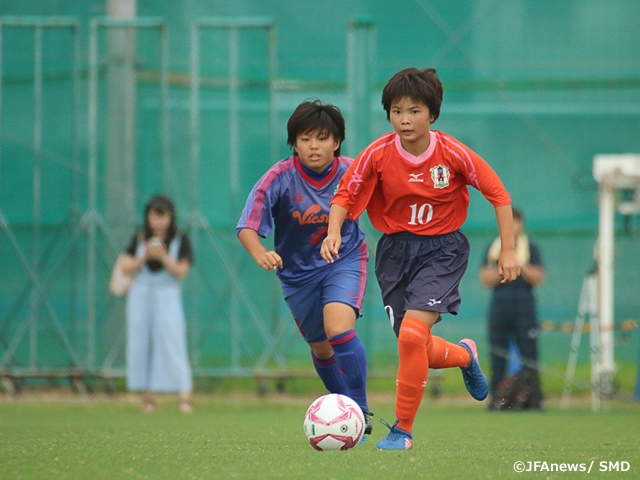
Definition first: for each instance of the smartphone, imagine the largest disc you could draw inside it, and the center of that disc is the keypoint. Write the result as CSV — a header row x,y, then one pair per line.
x,y
155,241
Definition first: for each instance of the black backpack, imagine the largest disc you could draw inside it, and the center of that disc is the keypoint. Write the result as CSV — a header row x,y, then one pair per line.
x,y
521,391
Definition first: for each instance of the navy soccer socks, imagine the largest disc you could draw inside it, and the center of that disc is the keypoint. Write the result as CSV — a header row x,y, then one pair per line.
x,y
352,361
329,374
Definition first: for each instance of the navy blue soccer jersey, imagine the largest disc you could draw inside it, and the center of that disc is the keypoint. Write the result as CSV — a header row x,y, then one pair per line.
x,y
288,200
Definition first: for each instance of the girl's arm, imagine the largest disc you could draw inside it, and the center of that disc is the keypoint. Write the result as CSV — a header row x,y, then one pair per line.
x,y
177,268
131,264
267,259
331,244
508,266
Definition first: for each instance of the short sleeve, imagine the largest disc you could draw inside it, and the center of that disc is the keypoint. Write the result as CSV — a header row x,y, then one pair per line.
x,y
485,258
133,246
185,252
265,194
536,257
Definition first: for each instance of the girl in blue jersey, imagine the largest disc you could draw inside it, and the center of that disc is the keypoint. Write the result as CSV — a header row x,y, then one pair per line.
x,y
293,198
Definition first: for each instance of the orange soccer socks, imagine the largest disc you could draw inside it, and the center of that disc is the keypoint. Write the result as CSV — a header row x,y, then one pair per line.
x,y
413,370
418,350
443,354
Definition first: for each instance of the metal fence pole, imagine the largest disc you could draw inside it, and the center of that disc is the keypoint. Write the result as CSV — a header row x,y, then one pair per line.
x,y
360,75
95,221
232,26
38,288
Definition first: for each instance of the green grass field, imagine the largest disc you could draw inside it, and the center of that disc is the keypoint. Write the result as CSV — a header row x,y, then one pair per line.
x,y
243,436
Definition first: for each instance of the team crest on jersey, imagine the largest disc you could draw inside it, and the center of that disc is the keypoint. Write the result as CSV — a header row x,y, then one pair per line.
x,y
440,176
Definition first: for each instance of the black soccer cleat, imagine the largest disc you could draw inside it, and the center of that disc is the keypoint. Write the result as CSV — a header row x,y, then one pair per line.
x,y
368,422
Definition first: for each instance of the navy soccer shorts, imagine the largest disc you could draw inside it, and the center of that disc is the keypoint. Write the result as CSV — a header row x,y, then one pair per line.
x,y
421,273
343,281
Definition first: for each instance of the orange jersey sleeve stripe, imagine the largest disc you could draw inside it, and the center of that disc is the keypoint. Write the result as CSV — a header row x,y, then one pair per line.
x,y
481,175
356,189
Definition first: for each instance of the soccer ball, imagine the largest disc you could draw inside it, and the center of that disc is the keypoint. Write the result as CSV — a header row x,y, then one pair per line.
x,y
334,422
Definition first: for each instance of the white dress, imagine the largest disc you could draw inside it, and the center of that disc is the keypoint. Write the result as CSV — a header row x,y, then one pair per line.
x,y
157,358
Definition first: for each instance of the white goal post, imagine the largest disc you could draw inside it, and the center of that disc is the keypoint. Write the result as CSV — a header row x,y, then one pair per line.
x,y
613,173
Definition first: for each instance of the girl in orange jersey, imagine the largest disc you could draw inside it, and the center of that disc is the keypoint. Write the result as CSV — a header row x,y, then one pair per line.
x,y
413,184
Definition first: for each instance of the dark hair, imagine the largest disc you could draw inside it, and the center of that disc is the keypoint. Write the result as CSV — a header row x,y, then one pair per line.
x,y
418,85
160,203
313,116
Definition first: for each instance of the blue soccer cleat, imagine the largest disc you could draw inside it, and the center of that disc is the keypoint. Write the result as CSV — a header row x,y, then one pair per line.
x,y
396,439
474,379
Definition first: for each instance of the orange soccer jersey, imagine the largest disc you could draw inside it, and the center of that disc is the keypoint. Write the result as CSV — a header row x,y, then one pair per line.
x,y
425,195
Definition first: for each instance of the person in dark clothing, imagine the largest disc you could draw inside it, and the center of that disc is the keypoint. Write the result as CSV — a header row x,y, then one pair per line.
x,y
513,315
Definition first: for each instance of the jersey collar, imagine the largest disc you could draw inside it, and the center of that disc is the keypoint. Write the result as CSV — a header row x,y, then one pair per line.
x,y
420,159
317,183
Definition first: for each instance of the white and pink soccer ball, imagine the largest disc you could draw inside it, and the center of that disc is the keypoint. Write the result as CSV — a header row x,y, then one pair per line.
x,y
334,422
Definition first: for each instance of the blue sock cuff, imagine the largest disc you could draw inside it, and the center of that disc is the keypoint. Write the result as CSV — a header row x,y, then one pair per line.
x,y
323,362
342,337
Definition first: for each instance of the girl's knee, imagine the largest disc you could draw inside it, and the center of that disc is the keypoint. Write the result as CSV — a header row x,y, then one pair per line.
x,y
321,350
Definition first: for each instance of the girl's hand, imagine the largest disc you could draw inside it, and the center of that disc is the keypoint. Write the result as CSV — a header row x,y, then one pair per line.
x,y
508,266
155,249
269,260
330,247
